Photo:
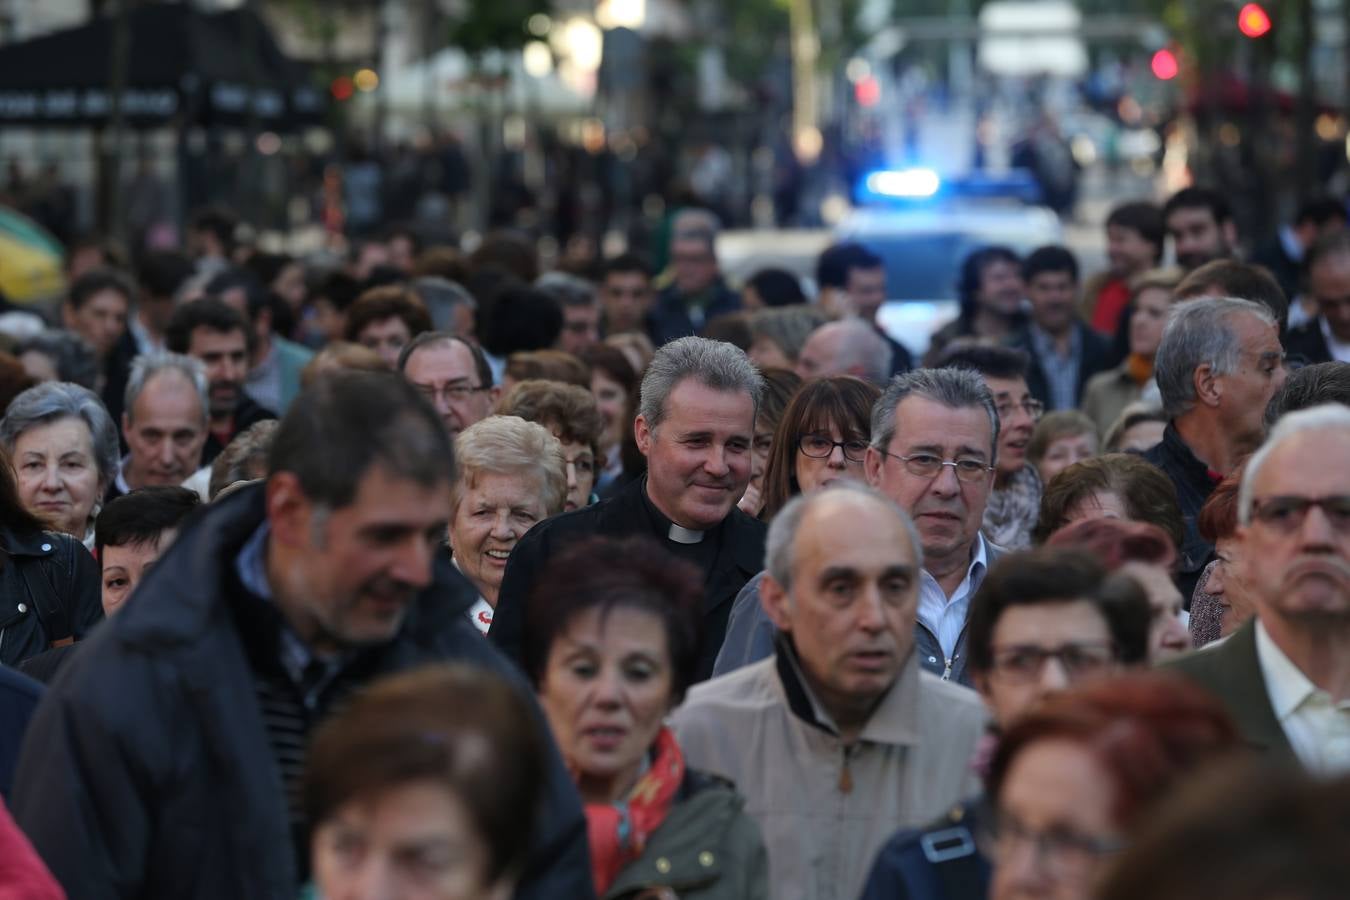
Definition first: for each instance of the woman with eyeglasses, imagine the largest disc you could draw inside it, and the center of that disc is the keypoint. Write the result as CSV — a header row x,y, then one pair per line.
x,y
1072,778
821,438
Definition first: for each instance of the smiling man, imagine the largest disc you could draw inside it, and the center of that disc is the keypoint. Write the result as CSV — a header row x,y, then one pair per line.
x,y
695,425
840,737
268,613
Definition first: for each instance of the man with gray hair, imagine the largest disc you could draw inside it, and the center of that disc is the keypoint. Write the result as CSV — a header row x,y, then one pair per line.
x,y
165,422
697,293
1285,675
839,738
1218,366
580,308
695,426
847,347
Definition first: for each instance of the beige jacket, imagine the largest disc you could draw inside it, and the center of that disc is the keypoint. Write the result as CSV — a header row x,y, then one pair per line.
x,y
825,809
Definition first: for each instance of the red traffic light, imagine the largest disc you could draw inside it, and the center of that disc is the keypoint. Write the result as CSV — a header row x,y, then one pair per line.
x,y
342,88
1253,21
1165,64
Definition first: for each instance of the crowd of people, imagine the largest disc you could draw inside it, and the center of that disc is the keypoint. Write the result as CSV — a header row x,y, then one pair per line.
x,y
435,574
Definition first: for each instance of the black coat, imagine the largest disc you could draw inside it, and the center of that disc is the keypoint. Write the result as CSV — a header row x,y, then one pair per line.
x,y
671,316
1094,356
147,772
1194,484
1306,344
19,696
245,414
740,555
38,561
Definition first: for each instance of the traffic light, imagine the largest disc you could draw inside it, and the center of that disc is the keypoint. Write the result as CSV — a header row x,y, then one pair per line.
x,y
342,88
1253,20
1165,65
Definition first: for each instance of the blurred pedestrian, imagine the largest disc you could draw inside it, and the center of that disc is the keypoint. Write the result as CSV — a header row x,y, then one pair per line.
x,y
863,740
697,291
277,607
614,384
580,309
990,292
778,335
1061,439
695,427
1138,428
851,280
1135,238
1325,336
846,347
570,415
780,385
1310,386
771,288
53,355
1223,599
1285,255
244,458
626,294
386,319
611,644
1107,393
166,423
453,375
1113,485
1234,278
1201,226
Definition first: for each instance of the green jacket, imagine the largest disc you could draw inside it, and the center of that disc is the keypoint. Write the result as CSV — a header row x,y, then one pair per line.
x,y
707,849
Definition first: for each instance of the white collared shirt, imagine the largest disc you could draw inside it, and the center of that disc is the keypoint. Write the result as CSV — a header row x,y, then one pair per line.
x,y
1339,350
946,616
1318,728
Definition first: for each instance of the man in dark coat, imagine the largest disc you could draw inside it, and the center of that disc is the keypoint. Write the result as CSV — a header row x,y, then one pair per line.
x,y
1325,337
167,759
695,425
1217,367
698,294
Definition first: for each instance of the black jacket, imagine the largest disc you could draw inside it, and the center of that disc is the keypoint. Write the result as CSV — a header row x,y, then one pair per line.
x,y
1093,357
38,563
740,555
19,695
1306,344
245,414
1194,484
148,772
673,316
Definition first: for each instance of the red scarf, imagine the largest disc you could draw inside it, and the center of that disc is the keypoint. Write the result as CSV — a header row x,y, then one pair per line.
x,y
619,831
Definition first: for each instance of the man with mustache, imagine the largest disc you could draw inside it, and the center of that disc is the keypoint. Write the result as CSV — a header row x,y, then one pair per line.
x,y
840,737
1201,226
167,759
695,425
1285,675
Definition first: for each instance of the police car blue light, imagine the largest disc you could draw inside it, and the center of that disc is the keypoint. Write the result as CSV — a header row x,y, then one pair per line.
x,y
915,183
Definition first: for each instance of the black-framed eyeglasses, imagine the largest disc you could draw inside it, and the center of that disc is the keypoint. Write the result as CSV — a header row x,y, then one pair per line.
x,y
453,393
1286,513
820,446
927,465
1023,663
1031,406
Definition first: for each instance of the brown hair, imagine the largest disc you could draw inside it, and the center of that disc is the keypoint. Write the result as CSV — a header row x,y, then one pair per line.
x,y
1147,494
1148,730
565,409
14,380
342,355
780,385
443,262
464,728
548,365
1059,424
387,302
842,401
615,366
1230,278
1218,518
1116,542
13,514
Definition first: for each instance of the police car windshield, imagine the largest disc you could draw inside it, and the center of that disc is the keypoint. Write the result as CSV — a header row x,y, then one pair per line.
x,y
922,266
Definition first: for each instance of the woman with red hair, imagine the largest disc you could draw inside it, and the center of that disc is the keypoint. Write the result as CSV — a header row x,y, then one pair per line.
x,y
1073,777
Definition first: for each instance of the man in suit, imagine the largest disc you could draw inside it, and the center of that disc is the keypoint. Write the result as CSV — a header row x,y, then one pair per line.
x,y
1326,337
695,425
1285,676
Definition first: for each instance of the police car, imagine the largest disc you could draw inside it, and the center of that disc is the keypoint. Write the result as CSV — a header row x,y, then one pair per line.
x,y
923,227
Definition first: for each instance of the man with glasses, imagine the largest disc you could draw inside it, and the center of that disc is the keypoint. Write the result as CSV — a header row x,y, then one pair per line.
x,y
1217,367
697,293
453,375
1044,620
1015,500
1285,675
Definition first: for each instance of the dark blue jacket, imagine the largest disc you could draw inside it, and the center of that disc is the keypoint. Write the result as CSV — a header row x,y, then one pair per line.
x,y
147,771
673,316
940,862
1194,483
19,696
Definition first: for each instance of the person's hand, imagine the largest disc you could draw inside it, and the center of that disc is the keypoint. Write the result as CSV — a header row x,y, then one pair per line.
x,y
752,501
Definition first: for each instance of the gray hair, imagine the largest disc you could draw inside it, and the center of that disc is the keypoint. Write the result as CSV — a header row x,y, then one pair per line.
x,y
787,326
782,538
1328,417
715,364
509,445
52,401
1314,385
148,365
566,288
72,357
442,297
244,457
861,345
1199,333
953,388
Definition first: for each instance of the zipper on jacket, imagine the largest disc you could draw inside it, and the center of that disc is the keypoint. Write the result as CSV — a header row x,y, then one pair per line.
x,y
947,672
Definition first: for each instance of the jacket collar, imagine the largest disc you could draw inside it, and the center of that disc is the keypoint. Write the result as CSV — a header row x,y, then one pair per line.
x,y
895,720
1250,703
1174,446
33,543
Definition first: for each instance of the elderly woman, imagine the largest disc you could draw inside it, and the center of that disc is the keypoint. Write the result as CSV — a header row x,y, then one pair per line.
x,y
1138,428
49,584
569,413
424,787
1222,599
1072,778
511,475
64,448
1115,485
611,644
1061,439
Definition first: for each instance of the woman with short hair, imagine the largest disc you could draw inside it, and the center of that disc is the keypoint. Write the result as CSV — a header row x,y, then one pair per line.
x,y
1061,439
570,413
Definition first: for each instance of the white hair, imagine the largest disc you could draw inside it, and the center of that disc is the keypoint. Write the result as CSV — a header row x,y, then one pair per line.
x,y
1328,417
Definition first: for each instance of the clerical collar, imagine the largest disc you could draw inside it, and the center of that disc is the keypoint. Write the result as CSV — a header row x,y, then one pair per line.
x,y
681,535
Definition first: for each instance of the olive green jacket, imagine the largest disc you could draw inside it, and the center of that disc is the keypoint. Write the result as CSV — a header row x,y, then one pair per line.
x,y
707,849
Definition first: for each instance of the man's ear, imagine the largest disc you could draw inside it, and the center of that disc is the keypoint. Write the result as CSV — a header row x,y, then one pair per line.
x,y
289,512
1208,387
644,434
776,605
872,463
